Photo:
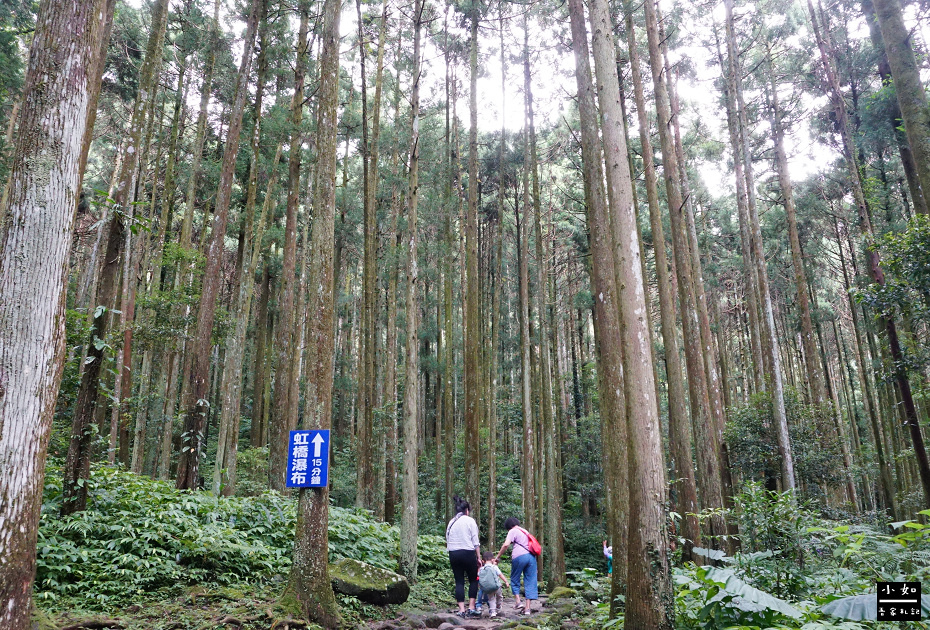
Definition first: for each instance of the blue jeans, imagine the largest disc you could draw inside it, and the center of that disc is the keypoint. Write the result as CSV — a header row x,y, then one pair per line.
x,y
524,565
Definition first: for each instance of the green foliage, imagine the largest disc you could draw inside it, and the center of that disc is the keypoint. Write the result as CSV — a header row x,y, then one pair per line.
x,y
251,472
750,435
900,557
720,598
140,535
585,483
793,565
77,331
772,532
906,292
17,21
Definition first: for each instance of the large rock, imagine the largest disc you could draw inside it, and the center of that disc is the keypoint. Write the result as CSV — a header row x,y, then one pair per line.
x,y
436,620
369,584
561,592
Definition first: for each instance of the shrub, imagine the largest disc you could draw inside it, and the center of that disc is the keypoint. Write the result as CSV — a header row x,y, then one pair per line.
x,y
139,535
750,435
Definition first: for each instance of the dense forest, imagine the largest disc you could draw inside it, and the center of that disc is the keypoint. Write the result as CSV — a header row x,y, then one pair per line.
x,y
651,280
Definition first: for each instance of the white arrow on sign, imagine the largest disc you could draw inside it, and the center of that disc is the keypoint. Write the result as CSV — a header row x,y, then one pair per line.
x,y
318,442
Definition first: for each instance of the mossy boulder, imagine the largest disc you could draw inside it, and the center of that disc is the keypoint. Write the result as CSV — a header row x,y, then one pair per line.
x,y
367,583
561,592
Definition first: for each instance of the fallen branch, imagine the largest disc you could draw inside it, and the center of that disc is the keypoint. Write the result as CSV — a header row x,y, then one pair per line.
x,y
235,621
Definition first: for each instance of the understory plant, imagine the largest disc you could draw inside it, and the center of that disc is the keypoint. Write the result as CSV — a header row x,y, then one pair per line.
x,y
139,535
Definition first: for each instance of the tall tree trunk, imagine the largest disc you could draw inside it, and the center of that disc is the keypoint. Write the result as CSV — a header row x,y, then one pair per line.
x,y
448,368
283,355
553,511
259,429
309,588
715,397
649,588
389,395
894,115
814,374
36,226
606,307
224,471
832,87
709,457
757,256
473,342
886,481
908,87
197,406
528,471
408,520
679,422
366,495
496,290
77,463
365,491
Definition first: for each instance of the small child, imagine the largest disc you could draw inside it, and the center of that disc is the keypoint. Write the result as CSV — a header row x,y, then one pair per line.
x,y
490,580
609,554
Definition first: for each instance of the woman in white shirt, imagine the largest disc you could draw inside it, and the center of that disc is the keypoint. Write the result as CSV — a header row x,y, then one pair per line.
x,y
464,555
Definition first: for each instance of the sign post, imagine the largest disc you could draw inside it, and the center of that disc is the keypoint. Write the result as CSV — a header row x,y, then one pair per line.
x,y
308,459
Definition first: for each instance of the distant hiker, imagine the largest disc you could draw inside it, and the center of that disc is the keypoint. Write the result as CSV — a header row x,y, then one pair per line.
x,y
609,554
490,583
522,562
464,555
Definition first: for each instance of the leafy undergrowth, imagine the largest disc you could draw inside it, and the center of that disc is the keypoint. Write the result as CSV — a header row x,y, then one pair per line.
x,y
243,606
155,557
795,571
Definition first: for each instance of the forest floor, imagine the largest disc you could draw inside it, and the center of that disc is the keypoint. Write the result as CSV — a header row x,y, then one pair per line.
x,y
240,608
556,615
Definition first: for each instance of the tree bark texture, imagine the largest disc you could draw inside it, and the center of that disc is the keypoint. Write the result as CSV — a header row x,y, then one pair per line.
x,y
408,520
309,588
77,463
283,353
910,91
649,600
606,308
708,449
473,342
680,433
197,405
36,225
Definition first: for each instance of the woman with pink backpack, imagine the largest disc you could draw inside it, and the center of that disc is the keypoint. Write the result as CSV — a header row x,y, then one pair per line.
x,y
522,562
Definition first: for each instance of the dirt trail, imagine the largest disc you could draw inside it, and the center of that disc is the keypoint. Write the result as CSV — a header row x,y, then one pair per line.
x,y
508,617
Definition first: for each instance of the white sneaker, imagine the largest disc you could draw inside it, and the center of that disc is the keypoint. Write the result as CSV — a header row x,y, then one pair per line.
x,y
493,614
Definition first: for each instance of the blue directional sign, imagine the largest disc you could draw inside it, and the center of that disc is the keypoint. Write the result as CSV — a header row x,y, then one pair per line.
x,y
308,459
